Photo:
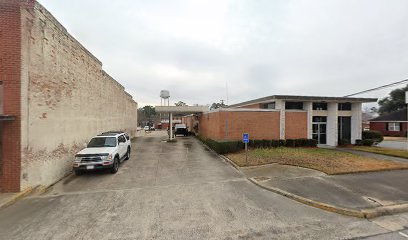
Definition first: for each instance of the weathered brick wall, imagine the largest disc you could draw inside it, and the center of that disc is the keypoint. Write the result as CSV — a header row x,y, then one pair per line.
x,y
66,99
10,77
295,125
232,124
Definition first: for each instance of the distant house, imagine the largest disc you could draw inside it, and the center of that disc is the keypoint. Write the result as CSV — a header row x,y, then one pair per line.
x,y
391,124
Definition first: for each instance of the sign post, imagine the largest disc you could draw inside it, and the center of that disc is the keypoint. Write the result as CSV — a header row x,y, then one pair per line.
x,y
245,139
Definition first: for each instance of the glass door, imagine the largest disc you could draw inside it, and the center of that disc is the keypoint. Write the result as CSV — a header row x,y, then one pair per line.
x,y
320,130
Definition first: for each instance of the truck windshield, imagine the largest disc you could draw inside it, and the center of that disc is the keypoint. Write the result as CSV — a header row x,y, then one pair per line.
x,y
102,142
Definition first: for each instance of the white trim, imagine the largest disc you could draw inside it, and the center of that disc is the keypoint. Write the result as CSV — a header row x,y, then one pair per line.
x,y
345,113
394,129
320,113
282,121
295,110
241,110
389,121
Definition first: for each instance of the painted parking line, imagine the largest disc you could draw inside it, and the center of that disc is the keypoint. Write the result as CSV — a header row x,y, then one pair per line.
x,y
403,234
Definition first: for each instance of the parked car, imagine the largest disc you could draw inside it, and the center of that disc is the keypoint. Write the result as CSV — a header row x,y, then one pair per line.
x,y
180,129
104,151
146,128
152,128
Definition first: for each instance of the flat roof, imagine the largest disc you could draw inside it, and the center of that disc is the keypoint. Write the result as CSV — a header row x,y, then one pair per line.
x,y
181,109
304,98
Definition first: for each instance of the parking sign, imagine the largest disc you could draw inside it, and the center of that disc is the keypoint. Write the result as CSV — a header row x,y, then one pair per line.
x,y
245,138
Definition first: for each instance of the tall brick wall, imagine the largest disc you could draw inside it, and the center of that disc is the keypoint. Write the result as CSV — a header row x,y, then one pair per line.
x,y
231,125
66,98
295,125
10,51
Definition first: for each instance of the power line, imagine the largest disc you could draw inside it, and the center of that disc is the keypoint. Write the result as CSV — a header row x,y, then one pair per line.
x,y
378,88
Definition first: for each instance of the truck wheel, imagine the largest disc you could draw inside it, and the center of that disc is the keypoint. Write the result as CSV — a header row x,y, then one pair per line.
x,y
78,172
115,166
127,154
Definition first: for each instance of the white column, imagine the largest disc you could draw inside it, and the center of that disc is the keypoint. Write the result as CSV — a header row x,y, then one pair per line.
x,y
308,106
356,121
171,126
282,120
332,124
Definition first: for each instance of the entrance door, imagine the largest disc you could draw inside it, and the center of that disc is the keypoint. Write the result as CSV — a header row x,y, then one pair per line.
x,y
320,130
344,129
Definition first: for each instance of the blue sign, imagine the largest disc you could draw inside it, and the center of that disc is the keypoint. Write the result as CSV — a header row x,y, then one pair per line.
x,y
245,138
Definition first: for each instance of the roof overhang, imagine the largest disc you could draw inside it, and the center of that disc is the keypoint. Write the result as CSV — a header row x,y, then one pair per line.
x,y
181,109
305,98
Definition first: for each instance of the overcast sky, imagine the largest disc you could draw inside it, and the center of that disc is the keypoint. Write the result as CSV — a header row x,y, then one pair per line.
x,y
195,49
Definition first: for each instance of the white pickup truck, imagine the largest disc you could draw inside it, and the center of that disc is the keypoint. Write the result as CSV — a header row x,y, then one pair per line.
x,y
105,151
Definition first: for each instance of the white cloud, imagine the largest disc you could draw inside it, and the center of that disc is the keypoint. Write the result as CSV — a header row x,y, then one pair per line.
x,y
192,48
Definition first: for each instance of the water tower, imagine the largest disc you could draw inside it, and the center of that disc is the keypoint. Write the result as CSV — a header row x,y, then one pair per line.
x,y
164,94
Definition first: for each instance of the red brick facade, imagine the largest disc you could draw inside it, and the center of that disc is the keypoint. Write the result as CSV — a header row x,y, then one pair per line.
x,y
10,71
295,125
232,124
382,127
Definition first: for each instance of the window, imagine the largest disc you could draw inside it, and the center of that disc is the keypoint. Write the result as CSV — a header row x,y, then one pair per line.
x,y
394,126
270,105
344,107
102,142
294,105
319,119
121,139
320,106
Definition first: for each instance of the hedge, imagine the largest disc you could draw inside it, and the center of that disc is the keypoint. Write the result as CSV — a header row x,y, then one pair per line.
x,y
223,147
376,136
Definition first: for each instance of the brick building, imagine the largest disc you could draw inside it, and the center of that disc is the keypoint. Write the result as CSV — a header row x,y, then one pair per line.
x,y
326,119
391,124
54,96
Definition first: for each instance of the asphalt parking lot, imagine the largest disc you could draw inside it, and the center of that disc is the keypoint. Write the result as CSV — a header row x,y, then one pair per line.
x,y
174,191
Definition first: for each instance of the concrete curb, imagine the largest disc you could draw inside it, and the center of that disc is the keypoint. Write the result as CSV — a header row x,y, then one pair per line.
x,y
17,197
363,213
221,156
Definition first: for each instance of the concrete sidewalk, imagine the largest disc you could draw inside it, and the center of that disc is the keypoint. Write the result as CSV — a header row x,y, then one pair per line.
x,y
364,195
372,155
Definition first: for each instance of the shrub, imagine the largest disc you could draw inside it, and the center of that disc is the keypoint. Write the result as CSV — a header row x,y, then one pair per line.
x,y
343,142
266,143
358,142
275,143
224,147
258,143
367,142
282,143
290,143
376,136
312,142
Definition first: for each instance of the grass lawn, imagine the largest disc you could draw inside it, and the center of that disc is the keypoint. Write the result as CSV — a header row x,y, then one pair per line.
x,y
384,151
325,160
